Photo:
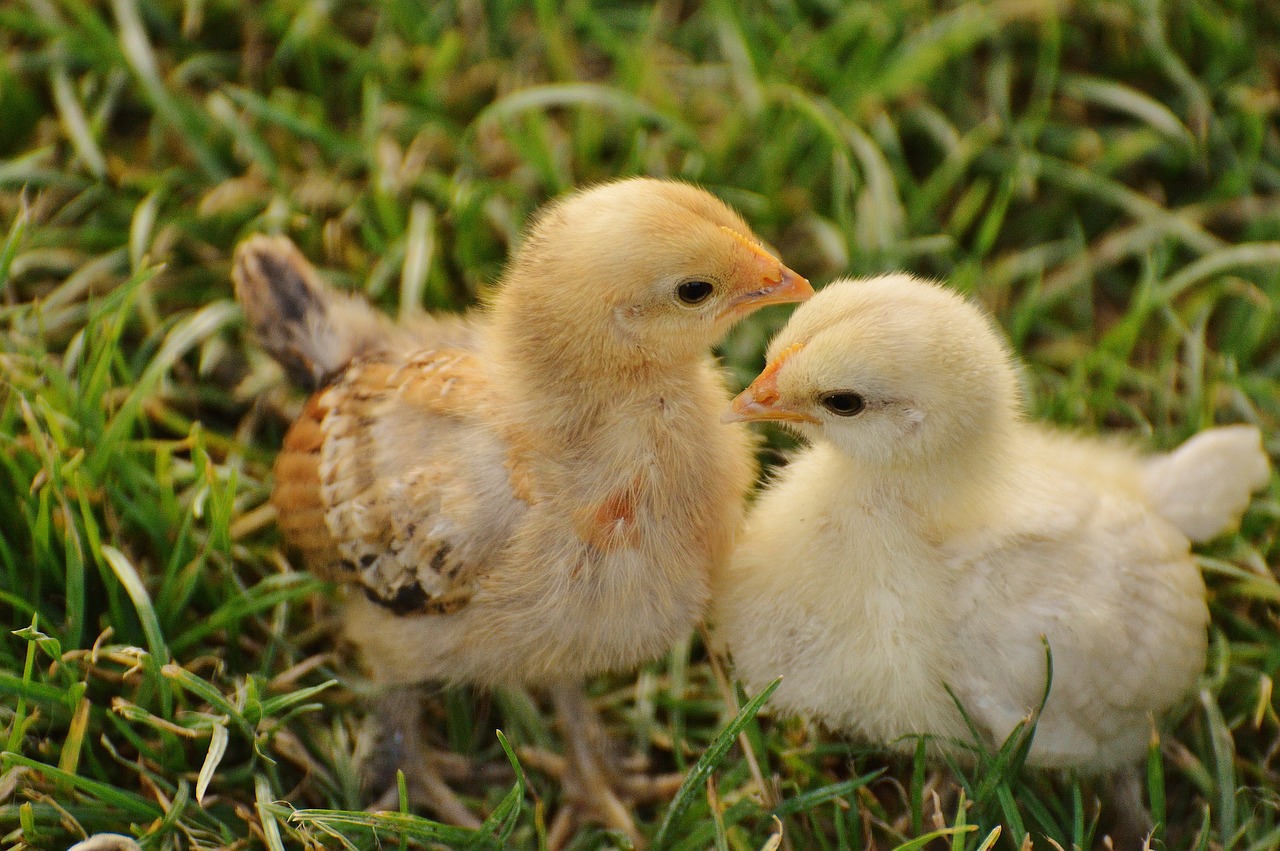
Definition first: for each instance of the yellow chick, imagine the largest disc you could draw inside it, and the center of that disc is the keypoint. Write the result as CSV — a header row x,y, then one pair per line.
x,y
930,536
539,492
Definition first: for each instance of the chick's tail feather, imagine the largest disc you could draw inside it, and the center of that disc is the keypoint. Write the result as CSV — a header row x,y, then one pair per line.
x,y
311,330
1204,486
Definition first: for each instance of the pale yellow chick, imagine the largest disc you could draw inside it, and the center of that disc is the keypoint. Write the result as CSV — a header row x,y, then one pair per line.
x,y
537,493
930,536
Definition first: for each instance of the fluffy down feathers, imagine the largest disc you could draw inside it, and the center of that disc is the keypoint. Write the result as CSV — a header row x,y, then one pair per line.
x,y
930,536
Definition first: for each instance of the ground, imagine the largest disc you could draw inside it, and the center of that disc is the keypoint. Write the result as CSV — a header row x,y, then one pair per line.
x,y
1102,174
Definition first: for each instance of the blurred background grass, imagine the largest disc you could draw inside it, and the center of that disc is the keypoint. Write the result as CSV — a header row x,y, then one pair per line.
x,y
1103,174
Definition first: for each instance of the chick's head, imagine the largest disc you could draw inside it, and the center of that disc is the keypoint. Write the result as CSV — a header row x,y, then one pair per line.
x,y
890,370
640,270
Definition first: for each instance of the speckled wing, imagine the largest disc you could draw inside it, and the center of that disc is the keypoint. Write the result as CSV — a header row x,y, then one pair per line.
x,y
394,480
1113,589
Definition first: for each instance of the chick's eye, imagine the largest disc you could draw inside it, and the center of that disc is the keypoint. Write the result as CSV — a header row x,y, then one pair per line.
x,y
694,292
843,404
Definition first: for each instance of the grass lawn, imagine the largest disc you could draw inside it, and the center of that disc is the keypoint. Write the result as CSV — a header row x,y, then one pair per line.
x,y
1103,174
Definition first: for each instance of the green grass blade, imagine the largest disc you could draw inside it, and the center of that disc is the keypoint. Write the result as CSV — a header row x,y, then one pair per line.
x,y
137,591
710,759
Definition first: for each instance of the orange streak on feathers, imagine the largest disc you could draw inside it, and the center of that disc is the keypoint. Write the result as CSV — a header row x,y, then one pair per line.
x,y
296,495
612,526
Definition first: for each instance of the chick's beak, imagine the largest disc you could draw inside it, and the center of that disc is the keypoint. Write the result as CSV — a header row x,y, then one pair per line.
x,y
781,287
775,284
762,401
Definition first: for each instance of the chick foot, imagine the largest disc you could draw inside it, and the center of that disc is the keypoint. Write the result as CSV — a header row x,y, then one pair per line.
x,y
396,742
595,791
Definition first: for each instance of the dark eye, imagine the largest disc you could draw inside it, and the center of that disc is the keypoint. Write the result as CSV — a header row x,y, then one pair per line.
x,y
843,404
694,292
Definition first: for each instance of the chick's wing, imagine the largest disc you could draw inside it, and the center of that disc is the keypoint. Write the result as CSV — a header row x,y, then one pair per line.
x,y
1114,592
394,479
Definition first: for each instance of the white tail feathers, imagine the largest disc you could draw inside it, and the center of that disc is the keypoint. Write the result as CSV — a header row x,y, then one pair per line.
x,y
1204,486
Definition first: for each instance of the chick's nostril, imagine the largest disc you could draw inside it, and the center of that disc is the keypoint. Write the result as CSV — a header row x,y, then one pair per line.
x,y
765,395
775,276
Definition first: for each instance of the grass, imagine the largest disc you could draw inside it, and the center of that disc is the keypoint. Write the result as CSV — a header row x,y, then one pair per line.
x,y
1103,174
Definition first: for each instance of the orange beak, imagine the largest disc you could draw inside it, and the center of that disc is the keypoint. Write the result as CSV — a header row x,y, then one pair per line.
x,y
760,401
779,285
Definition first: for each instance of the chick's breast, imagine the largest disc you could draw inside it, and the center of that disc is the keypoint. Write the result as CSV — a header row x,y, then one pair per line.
x,y
610,564
828,590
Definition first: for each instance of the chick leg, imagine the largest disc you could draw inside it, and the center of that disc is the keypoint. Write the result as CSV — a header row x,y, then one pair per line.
x,y
589,784
1129,823
398,743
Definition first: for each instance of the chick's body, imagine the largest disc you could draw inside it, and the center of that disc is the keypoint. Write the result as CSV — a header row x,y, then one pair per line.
x,y
539,492
931,536
893,607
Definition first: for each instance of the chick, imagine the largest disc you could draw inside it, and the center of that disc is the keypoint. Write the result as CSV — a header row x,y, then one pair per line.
x,y
536,493
929,536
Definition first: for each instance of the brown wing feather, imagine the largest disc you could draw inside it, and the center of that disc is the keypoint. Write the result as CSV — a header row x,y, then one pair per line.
x,y
369,488
296,496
